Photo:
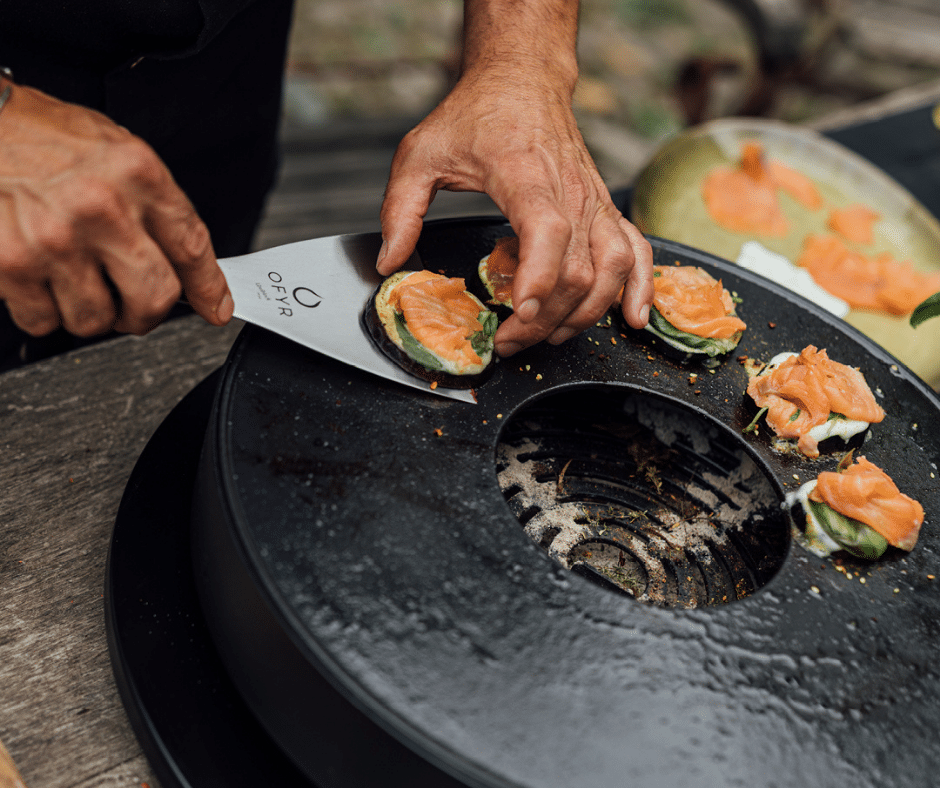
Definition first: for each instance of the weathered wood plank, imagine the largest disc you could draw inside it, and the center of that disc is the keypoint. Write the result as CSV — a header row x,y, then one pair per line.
x,y
71,429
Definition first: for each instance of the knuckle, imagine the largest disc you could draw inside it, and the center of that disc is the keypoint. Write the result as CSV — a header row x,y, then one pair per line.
x,y
89,322
140,162
193,242
55,237
36,323
98,201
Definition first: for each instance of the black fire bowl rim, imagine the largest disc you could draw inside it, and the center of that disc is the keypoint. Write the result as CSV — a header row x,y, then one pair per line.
x,y
377,533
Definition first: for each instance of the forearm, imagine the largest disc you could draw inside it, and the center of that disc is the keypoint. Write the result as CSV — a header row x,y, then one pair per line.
x,y
509,38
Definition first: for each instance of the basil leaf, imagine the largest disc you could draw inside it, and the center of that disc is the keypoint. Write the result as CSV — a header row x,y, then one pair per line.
x,y
926,310
482,341
414,348
691,343
855,537
796,415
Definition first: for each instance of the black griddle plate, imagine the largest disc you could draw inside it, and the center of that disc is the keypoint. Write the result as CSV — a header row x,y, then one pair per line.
x,y
390,560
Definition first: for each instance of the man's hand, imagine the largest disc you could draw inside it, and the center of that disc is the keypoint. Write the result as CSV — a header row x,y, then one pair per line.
x,y
507,129
94,232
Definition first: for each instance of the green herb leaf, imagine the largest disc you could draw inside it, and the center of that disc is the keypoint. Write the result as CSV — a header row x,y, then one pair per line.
x,y
926,310
482,341
752,427
855,537
691,343
414,348
795,416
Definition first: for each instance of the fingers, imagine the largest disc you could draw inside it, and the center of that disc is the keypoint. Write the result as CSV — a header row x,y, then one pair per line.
x,y
594,268
94,232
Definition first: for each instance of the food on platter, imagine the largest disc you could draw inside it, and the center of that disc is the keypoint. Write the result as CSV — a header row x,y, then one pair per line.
x,y
744,198
433,328
855,223
877,282
859,510
693,312
498,270
808,397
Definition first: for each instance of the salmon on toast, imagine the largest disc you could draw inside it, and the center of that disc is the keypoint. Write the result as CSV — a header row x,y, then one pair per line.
x,y
808,397
498,270
693,312
859,510
433,328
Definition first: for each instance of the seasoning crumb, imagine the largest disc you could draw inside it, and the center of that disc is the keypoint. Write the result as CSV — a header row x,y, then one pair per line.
x,y
796,476
649,357
897,590
861,580
433,385
697,391
538,376
499,415
613,340
528,367
655,374
485,421
931,577
814,589
438,432
771,325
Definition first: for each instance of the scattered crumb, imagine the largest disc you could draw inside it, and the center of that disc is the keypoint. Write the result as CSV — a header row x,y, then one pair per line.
x,y
613,341
438,432
814,589
539,376
771,325
433,385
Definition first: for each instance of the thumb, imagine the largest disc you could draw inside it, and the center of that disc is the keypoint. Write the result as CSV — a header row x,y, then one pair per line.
x,y
406,203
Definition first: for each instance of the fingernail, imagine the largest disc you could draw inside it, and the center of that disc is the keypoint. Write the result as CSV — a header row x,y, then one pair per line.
x,y
383,250
226,308
645,314
529,310
508,348
560,335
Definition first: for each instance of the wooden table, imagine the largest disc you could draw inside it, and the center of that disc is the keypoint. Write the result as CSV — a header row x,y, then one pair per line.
x,y
71,430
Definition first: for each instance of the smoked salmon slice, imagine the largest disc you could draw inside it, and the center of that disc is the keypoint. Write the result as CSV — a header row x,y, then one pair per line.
x,y
867,494
854,222
802,391
430,326
878,283
744,198
498,270
440,314
691,300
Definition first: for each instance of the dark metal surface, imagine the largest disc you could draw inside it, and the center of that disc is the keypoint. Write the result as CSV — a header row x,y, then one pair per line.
x,y
368,521
190,720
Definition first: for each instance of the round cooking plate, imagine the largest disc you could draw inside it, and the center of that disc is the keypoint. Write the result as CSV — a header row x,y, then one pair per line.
x,y
355,528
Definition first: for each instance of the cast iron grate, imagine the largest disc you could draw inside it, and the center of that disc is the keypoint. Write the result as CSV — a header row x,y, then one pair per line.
x,y
642,497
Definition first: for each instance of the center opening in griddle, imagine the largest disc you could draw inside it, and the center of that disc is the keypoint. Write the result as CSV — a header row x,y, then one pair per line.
x,y
642,496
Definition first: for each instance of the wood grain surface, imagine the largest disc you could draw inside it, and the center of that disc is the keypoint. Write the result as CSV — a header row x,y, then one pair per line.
x,y
71,429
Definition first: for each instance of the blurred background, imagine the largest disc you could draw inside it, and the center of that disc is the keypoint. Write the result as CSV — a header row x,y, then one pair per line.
x,y
361,72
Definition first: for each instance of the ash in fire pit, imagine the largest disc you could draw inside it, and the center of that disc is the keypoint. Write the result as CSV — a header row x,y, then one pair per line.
x,y
642,496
